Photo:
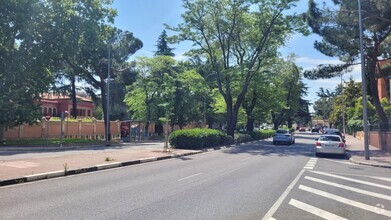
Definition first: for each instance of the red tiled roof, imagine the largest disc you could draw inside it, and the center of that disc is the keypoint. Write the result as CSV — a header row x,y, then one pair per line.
x,y
52,96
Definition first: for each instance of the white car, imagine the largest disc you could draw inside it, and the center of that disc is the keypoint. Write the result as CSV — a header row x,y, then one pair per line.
x,y
330,144
283,136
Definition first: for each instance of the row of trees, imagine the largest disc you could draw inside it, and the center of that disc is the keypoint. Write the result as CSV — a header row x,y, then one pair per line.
x,y
234,74
346,101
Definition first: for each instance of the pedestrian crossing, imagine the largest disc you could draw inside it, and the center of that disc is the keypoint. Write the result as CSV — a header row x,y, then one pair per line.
x,y
311,164
327,195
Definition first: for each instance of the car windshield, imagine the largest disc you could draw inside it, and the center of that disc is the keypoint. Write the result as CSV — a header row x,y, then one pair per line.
x,y
329,138
281,131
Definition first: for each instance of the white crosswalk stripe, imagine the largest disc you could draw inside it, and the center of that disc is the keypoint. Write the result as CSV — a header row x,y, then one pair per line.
x,y
378,195
311,164
346,201
314,210
353,180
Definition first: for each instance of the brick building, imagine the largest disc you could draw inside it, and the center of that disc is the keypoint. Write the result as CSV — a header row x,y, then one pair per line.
x,y
54,104
383,85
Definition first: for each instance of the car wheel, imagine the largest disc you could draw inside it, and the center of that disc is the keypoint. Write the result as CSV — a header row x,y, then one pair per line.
x,y
274,143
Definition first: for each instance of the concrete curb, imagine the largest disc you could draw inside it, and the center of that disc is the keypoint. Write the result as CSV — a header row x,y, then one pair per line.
x,y
60,173
353,160
369,163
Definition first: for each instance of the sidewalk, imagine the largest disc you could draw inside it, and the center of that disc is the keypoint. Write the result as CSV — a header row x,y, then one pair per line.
x,y
377,157
24,164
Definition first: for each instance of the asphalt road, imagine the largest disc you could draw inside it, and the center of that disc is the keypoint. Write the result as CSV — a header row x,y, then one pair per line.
x,y
252,181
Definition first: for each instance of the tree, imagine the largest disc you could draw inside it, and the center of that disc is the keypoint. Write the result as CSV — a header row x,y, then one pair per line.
x,y
25,67
340,38
235,38
290,90
162,46
165,86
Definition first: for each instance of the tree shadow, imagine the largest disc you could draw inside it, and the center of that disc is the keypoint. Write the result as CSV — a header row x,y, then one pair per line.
x,y
266,148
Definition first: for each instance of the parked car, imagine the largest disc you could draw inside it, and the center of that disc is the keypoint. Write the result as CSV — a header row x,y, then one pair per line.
x,y
329,144
335,132
301,129
283,136
315,129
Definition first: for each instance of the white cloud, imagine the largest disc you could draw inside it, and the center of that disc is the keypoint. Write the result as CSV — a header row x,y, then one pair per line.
x,y
313,62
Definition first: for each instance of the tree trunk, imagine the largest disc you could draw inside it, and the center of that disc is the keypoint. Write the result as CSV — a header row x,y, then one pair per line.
x,y
250,124
374,91
73,97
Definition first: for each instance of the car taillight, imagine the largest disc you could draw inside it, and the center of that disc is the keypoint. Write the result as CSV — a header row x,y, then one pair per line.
x,y
341,144
318,143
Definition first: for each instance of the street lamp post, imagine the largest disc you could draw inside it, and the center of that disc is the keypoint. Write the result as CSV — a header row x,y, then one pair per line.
x,y
108,134
363,86
206,77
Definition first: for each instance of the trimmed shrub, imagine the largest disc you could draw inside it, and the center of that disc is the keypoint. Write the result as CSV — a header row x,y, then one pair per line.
x,y
262,134
197,138
228,140
241,138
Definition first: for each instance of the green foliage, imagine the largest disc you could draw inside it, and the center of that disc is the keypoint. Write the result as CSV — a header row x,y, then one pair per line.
x,y
242,138
262,134
196,138
338,27
162,46
235,39
26,61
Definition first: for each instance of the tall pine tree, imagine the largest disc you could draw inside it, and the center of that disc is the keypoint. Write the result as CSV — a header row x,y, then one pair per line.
x,y
162,46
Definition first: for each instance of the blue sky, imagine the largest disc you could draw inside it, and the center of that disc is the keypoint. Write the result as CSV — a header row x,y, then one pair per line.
x,y
145,18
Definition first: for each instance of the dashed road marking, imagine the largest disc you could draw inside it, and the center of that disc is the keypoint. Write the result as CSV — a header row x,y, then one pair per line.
x,y
188,177
311,164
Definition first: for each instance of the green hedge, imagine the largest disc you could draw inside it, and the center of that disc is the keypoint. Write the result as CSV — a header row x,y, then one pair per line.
x,y
262,134
242,138
197,138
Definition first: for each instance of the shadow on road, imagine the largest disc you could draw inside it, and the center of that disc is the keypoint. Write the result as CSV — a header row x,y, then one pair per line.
x,y
266,148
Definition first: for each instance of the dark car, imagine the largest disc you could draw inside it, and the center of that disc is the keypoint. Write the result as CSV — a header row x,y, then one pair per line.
x,y
315,129
335,132
301,129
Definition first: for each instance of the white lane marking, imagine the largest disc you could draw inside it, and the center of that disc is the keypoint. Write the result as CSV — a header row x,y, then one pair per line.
x,y
279,201
374,177
307,167
313,210
360,205
188,177
381,178
271,218
369,193
353,180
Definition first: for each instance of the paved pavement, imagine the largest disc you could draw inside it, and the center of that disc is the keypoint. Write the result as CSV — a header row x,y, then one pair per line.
x,y
377,158
23,164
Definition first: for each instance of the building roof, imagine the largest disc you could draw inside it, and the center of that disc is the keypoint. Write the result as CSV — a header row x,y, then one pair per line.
x,y
53,96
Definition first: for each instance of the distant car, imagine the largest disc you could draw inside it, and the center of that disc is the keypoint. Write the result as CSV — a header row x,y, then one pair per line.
x,y
329,144
334,132
302,129
315,129
283,136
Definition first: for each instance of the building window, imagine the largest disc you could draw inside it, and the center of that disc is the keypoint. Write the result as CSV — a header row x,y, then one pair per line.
x,y
50,111
88,113
45,111
54,112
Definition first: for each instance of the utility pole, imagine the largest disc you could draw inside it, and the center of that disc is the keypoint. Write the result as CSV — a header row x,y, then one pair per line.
x,y
363,87
343,108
